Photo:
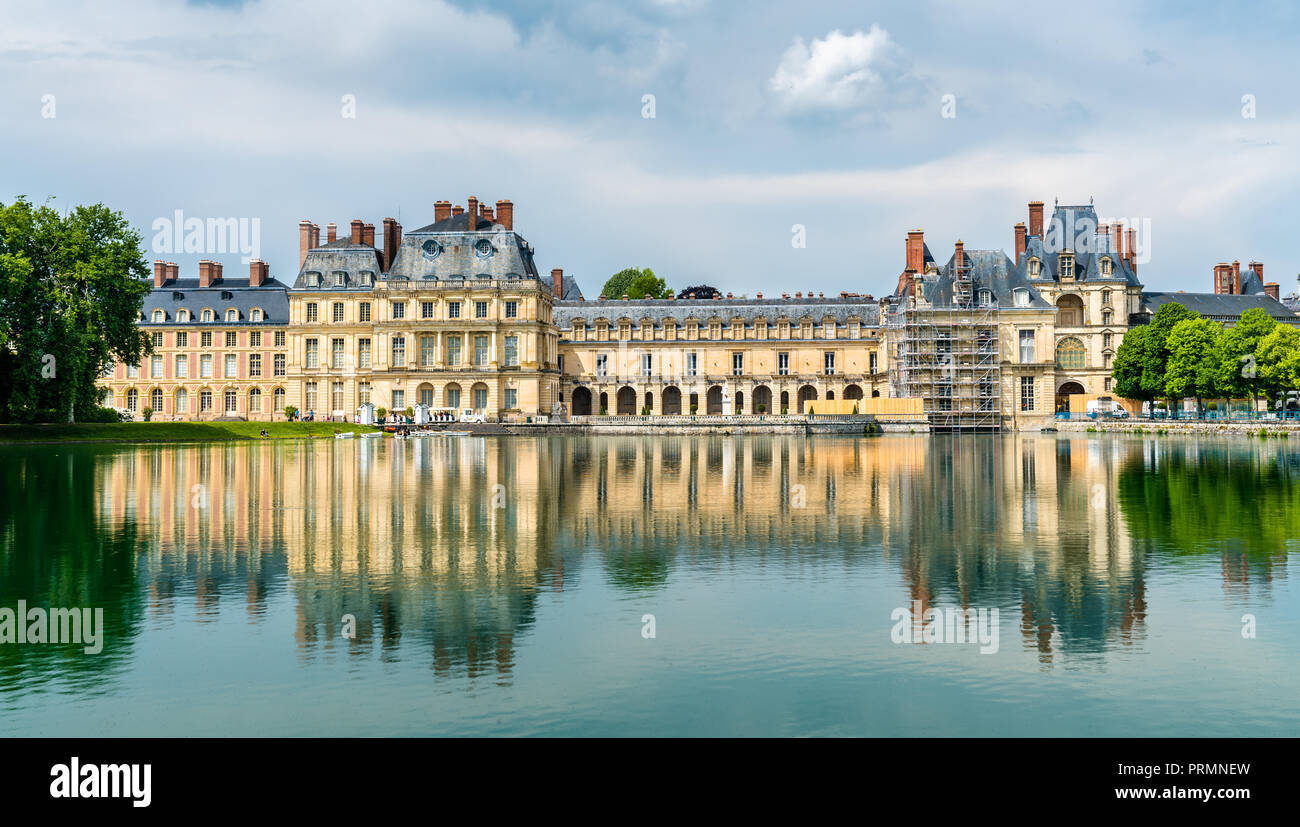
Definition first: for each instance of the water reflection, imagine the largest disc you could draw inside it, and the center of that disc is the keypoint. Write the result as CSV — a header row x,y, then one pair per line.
x,y
440,548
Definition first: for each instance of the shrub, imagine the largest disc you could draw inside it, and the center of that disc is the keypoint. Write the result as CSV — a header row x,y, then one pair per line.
x,y
694,408
810,410
605,411
101,415
409,412
784,410
147,413
762,408
381,412
290,412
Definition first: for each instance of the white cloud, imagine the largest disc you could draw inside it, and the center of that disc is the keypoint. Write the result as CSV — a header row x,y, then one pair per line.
x,y
837,72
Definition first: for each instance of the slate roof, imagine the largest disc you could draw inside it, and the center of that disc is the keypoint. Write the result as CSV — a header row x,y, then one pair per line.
x,y
1217,306
988,270
659,310
1251,282
1074,228
271,296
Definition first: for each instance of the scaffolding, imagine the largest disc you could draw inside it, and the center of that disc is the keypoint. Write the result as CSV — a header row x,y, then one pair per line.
x,y
947,355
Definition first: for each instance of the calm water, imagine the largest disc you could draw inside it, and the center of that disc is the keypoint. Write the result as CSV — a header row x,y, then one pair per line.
x,y
499,586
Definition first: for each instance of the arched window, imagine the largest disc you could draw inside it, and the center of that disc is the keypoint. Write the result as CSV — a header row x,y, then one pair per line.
x,y
232,315
255,314
1021,297
986,298
156,399
132,400
182,315
255,401
207,315
1107,268
1069,311
277,400
159,316
1070,354
182,401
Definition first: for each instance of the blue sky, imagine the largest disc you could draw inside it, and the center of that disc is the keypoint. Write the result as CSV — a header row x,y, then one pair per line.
x,y
767,114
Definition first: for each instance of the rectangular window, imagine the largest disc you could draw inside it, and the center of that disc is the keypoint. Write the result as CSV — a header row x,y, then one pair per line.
x,y
338,312
313,354
399,310
512,399
205,401
783,364
480,351
512,352
453,310
309,399
399,400
232,339
205,339
255,364
205,366
312,313
157,340
399,351
364,311
692,364
232,362
336,353
363,353
255,339
512,310
279,364
645,364
232,400
480,310
337,396
428,350
182,339
155,367
363,393
182,367
602,363
480,399
828,363
1027,347
873,361
426,310
453,351
279,338
737,364
1026,393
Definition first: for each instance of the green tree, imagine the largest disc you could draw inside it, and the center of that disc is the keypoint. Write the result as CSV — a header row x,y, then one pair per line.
x,y
71,288
1130,362
1236,356
1188,371
635,283
1278,361
1141,360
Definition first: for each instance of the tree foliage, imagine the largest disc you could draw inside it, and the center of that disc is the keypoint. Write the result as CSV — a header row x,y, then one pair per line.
x,y
1190,369
1236,357
71,288
636,283
702,291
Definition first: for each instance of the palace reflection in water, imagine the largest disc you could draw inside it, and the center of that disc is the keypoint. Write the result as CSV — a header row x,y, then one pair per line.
x,y
440,547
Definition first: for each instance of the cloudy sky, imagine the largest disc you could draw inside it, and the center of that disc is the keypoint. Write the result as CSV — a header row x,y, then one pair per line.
x,y
766,114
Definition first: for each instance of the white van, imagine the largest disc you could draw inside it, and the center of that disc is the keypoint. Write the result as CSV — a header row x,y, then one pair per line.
x,y
1106,408
469,415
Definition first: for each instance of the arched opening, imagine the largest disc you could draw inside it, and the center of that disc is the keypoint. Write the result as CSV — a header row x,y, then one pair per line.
x,y
480,392
806,394
695,403
604,403
785,402
255,401
853,392
714,400
740,403
762,399
1063,394
1070,354
649,405
626,401
424,393
830,395
672,401
1069,311
451,396
875,394
581,399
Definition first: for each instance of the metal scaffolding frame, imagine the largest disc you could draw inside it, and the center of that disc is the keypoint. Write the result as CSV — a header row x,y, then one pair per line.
x,y
947,355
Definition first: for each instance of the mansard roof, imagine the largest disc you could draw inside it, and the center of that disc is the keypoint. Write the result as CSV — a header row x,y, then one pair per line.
x,y
1219,306
1074,229
866,310
988,270
271,297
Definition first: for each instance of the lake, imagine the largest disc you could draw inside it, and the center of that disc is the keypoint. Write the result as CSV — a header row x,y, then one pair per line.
x,y
675,585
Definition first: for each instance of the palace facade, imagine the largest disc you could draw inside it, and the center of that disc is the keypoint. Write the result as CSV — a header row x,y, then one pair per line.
x,y
456,316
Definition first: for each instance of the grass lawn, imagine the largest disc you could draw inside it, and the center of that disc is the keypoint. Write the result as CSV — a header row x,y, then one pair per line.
x,y
174,431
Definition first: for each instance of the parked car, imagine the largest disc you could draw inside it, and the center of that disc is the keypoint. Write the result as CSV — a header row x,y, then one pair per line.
x,y
468,415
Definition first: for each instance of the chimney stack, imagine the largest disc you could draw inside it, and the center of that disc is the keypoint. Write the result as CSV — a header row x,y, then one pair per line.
x,y
1271,288
217,269
471,207
1036,218
557,282
159,272
1222,278
1020,241
205,273
487,213
457,210
331,233
1236,278
257,272
368,235
356,231
1130,243
304,241
173,271
1258,267
916,250
959,258
441,211
315,235
392,240
506,214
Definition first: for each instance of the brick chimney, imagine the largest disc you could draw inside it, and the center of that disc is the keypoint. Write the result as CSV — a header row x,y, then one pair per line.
x,y
217,269
471,207
173,271
1271,288
392,240
487,213
205,273
959,258
1222,278
257,272
159,272
916,250
457,210
331,233
557,282
315,235
1117,238
1236,278
506,214
1020,241
1258,267
304,241
1130,243
1036,218
355,237
441,211
368,235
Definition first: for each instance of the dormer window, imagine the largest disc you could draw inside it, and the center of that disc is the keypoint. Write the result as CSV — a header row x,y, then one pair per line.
x,y
226,295
182,315
1035,268
232,315
313,279
367,278
985,298
1067,267
159,316
207,315
255,314
340,278
1020,296
1107,268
